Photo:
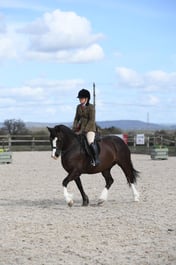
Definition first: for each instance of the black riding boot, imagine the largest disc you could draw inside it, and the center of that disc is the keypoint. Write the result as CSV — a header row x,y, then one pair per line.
x,y
95,154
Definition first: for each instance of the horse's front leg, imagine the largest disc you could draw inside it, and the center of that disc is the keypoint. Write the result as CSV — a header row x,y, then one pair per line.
x,y
68,196
83,194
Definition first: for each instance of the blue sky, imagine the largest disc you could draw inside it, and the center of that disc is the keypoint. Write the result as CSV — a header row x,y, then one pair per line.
x,y
49,50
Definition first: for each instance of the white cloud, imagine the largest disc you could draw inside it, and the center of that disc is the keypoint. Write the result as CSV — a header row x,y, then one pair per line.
x,y
60,30
161,80
7,42
6,101
129,77
157,76
154,88
56,85
2,24
43,92
28,92
7,50
12,45
92,53
153,100
51,111
56,36
62,36
118,54
153,80
21,4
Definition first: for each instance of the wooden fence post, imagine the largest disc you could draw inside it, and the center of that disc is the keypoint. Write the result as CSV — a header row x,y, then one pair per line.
x,y
9,142
33,143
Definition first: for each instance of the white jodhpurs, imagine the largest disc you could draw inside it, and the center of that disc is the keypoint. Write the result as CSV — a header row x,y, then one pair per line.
x,y
90,137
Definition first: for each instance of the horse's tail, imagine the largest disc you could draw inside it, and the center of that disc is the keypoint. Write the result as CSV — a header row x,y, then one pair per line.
x,y
124,160
135,175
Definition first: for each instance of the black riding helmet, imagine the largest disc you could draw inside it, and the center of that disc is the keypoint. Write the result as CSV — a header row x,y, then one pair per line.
x,y
84,93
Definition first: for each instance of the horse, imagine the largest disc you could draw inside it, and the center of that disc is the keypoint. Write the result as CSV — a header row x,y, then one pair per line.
x,y
75,160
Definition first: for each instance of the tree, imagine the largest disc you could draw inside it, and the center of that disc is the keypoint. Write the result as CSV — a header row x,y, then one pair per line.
x,y
111,130
14,127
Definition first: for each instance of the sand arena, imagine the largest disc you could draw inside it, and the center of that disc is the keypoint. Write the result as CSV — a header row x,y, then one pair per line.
x,y
37,227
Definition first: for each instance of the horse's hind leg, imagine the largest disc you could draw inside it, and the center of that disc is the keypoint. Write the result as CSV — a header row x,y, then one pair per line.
x,y
135,193
109,180
131,175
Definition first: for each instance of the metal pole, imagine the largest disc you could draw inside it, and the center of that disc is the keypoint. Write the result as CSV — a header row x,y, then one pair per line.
x,y
94,94
94,101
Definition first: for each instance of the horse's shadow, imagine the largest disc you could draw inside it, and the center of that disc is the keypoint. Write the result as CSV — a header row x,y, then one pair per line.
x,y
42,203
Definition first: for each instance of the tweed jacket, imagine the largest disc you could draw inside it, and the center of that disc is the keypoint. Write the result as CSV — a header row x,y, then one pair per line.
x,y
84,120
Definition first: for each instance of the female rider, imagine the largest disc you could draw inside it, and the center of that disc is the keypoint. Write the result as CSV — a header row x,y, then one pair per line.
x,y
84,122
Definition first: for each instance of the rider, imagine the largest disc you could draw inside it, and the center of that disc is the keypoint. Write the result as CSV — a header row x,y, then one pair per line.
x,y
84,122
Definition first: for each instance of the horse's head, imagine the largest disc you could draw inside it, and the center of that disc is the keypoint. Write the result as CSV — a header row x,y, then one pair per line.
x,y
56,141
61,138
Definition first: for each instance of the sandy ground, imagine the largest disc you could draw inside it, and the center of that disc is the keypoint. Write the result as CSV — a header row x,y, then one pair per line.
x,y
37,227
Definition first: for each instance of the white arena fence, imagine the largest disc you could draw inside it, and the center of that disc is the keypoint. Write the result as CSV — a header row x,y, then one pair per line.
x,y
42,143
25,143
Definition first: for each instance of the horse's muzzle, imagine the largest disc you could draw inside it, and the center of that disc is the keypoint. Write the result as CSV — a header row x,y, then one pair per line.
x,y
54,157
55,153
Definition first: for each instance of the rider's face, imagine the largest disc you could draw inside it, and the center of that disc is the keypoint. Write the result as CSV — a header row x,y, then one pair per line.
x,y
83,100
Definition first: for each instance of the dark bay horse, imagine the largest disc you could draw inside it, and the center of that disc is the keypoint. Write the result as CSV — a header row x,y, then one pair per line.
x,y
75,161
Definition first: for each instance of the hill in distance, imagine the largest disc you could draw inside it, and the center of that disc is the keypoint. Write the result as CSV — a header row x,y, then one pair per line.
x,y
125,125
136,125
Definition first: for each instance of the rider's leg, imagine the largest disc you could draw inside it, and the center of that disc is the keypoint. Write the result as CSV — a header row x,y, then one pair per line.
x,y
90,138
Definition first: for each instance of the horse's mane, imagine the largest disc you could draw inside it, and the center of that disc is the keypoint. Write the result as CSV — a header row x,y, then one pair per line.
x,y
68,131
65,129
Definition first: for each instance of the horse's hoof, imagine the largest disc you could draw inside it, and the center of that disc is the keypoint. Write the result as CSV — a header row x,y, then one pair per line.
x,y
85,204
136,199
54,157
70,203
100,201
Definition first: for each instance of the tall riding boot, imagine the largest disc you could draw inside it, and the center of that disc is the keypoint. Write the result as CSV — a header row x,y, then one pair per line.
x,y
95,154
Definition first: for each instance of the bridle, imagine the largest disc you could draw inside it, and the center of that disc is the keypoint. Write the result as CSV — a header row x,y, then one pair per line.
x,y
57,145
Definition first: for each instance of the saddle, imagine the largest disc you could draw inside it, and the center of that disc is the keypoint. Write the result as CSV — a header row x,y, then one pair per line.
x,y
86,147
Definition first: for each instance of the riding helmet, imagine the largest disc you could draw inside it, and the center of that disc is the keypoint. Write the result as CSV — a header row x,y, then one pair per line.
x,y
84,93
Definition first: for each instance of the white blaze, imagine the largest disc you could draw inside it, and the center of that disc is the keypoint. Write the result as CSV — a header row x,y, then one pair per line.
x,y
54,146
